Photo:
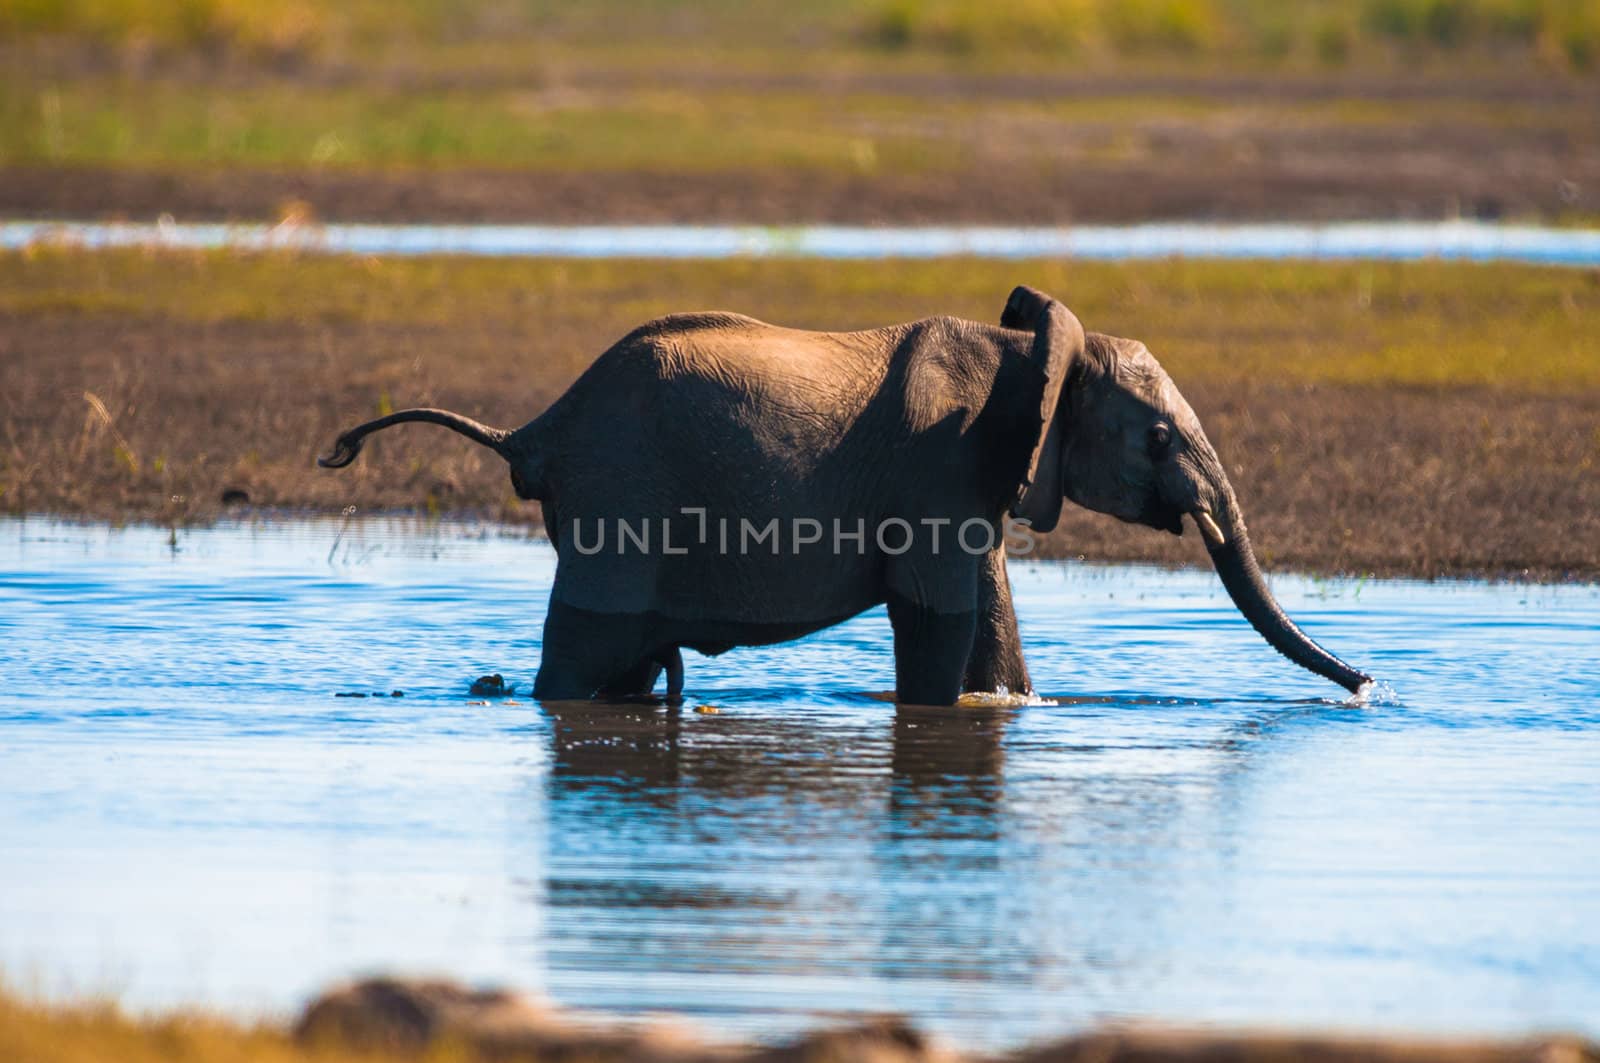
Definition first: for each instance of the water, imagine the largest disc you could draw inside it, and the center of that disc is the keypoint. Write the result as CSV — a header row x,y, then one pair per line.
x,y
1463,240
1196,832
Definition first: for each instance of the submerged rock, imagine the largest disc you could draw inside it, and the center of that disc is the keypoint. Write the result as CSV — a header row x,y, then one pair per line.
x,y
491,686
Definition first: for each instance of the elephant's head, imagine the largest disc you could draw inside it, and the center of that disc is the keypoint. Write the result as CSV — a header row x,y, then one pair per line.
x,y
1117,437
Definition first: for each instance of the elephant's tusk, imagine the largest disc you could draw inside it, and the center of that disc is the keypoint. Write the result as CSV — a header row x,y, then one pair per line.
x,y
1208,528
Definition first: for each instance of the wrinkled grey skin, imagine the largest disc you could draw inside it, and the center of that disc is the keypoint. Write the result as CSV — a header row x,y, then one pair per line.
x,y
940,419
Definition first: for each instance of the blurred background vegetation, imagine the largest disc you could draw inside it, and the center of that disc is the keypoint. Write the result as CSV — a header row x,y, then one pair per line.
x,y
1564,34
956,110
772,112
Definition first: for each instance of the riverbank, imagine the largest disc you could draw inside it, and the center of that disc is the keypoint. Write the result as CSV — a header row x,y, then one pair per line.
x,y
1417,419
389,1019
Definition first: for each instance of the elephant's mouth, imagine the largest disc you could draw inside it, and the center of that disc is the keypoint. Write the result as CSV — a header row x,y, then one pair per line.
x,y
1163,518
1157,516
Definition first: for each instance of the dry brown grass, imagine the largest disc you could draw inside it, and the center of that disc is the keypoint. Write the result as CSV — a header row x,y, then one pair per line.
x,y
441,1022
1421,419
101,1033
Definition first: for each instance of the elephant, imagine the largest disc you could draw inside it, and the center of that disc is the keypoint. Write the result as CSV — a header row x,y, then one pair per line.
x,y
700,439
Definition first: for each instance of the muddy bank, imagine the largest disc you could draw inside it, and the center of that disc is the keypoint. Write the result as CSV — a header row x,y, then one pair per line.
x,y
201,420
1324,183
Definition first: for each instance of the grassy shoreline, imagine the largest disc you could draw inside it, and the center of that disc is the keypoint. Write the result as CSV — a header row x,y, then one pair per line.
x,y
386,1019
1417,419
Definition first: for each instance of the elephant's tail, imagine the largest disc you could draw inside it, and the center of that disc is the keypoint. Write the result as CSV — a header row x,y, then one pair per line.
x,y
348,445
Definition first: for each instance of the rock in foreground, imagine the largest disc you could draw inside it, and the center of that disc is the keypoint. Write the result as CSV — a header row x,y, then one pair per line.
x,y
413,1017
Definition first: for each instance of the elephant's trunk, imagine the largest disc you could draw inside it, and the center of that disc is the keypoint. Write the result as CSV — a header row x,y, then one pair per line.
x,y
1236,564
348,445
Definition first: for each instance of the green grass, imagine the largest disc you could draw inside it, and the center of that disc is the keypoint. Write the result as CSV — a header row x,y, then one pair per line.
x,y
1411,324
1331,32
295,125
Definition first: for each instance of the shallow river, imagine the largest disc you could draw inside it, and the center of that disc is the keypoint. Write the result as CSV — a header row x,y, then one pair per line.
x,y
1196,831
1473,241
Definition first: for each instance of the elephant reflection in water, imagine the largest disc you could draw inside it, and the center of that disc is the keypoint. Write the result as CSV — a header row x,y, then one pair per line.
x,y
707,839
638,753
952,845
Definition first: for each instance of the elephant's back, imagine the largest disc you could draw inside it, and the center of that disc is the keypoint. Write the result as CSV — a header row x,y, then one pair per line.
x,y
742,353
723,372
705,408
703,394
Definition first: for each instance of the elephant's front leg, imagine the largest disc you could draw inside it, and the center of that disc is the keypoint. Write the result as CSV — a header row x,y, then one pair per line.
x,y
931,649
996,662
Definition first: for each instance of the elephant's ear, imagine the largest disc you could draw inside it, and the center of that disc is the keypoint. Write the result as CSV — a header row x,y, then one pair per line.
x,y
1058,343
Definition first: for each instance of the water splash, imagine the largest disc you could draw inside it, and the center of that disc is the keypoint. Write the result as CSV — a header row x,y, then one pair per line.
x,y
1374,694
1001,698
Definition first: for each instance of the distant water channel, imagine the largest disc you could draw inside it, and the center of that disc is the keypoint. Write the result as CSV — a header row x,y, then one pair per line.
x,y
1456,240
1194,831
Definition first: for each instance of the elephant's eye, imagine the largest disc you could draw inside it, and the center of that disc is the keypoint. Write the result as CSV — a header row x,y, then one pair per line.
x,y
1159,439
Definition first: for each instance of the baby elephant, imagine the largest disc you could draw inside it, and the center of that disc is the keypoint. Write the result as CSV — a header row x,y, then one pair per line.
x,y
713,481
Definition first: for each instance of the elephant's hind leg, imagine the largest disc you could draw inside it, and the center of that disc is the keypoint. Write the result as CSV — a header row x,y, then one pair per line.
x,y
587,653
639,681
931,650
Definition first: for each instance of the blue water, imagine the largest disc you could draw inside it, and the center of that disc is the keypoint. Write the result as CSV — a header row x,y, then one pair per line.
x,y
1195,832
1463,240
